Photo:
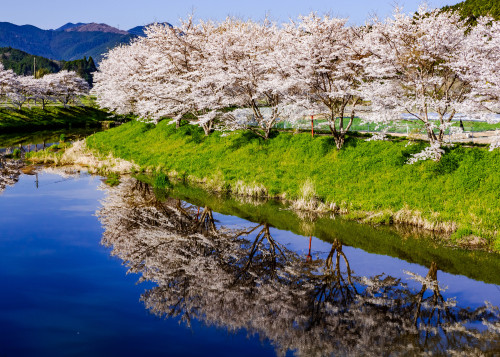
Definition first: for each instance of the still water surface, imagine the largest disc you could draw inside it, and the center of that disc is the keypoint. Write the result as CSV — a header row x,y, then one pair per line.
x,y
202,280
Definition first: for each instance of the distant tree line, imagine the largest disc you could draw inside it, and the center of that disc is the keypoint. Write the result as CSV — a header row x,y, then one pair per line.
x,y
473,9
83,67
63,87
22,64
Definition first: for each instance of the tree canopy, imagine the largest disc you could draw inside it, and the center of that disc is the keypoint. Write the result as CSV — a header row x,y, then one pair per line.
x,y
473,9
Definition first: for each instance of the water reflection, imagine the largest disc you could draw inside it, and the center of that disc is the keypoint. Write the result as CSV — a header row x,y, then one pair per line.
x,y
242,278
10,170
39,140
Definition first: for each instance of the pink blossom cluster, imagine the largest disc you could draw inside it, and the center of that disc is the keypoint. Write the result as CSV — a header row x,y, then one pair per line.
x,y
237,74
64,87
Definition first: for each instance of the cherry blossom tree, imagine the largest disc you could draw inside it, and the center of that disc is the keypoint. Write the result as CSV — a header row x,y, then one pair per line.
x,y
42,91
19,93
412,70
168,71
159,76
427,66
323,59
240,60
116,83
7,81
479,65
66,86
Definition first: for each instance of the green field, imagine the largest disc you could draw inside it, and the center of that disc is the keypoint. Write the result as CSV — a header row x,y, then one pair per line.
x,y
402,127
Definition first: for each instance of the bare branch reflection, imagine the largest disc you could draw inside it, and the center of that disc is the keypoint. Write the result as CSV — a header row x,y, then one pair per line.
x,y
245,279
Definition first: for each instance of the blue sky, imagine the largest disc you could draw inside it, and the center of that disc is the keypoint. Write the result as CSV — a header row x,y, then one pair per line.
x,y
125,14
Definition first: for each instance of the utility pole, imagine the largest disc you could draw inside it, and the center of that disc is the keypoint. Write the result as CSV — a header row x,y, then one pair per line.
x,y
312,126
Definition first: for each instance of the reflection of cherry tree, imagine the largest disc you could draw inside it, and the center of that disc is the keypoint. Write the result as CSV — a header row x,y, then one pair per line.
x,y
9,172
245,279
439,322
262,257
332,286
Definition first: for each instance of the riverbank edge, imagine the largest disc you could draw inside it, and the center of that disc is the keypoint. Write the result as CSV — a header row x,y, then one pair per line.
x,y
79,154
54,117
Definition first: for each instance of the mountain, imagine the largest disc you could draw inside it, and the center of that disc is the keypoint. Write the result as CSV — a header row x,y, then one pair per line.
x,y
22,63
60,45
139,30
472,9
69,25
94,27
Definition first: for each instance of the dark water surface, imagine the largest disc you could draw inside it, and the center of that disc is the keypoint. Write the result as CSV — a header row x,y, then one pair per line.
x,y
223,277
34,141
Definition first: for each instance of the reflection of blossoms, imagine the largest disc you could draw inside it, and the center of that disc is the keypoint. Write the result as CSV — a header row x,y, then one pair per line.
x,y
65,172
9,172
245,279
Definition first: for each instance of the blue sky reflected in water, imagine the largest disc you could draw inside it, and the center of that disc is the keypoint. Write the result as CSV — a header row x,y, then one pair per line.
x,y
63,295
468,292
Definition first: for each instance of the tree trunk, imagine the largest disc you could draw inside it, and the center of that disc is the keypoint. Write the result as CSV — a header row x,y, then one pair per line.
x,y
207,128
267,131
441,135
431,135
339,140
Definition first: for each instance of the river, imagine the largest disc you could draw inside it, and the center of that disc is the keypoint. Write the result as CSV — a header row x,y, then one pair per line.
x,y
92,270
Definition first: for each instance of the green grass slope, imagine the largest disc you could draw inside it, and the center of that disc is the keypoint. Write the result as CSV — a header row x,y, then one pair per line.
x,y
464,187
381,240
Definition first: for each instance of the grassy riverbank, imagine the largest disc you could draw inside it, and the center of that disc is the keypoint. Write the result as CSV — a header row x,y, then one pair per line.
x,y
53,117
416,248
367,180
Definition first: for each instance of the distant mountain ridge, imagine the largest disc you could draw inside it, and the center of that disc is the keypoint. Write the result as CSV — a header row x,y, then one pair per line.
x,y
139,30
59,45
69,42
69,25
95,27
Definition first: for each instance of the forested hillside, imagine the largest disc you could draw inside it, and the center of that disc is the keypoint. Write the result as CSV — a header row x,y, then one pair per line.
x,y
22,64
474,8
84,67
